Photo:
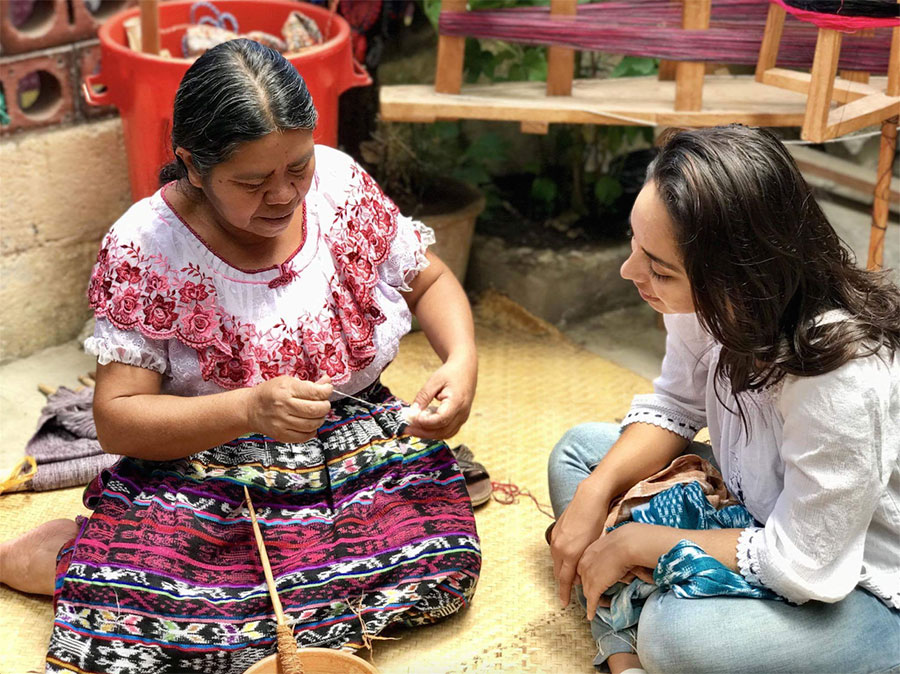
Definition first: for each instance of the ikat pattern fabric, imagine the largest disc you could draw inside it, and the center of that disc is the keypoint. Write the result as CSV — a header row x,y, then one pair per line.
x,y
363,526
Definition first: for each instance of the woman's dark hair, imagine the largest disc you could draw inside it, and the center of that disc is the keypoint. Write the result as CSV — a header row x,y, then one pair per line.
x,y
236,92
763,261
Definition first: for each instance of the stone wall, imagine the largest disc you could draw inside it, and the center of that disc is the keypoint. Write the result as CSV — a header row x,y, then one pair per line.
x,y
60,190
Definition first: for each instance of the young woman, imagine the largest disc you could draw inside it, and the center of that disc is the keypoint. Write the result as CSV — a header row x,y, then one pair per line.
x,y
789,354
235,308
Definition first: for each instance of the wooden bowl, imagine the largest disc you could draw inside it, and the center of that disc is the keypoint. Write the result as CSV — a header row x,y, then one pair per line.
x,y
318,661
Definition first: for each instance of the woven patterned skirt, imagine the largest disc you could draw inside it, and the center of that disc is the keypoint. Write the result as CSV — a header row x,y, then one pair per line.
x,y
363,526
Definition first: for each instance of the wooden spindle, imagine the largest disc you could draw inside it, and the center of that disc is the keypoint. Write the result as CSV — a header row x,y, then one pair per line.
x,y
288,654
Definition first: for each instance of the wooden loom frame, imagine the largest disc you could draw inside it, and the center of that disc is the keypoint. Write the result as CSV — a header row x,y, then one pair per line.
x,y
674,98
861,105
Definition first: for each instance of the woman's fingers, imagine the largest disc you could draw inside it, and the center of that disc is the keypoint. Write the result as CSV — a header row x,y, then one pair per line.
x,y
308,409
565,578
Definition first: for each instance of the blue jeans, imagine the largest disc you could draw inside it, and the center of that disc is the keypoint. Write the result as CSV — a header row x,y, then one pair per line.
x,y
731,635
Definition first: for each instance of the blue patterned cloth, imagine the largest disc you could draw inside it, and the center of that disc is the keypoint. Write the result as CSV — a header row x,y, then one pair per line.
x,y
686,569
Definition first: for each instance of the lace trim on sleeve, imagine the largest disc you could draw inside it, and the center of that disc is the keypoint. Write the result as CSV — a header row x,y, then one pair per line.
x,y
407,257
652,409
748,556
128,354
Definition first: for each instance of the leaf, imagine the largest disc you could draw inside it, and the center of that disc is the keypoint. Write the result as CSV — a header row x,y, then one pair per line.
x,y
486,147
635,66
433,11
607,189
535,63
544,190
614,137
472,174
445,130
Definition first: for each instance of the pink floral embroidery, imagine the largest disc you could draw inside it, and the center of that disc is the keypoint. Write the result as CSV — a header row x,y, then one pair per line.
x,y
237,371
125,273
160,314
125,305
286,276
135,290
156,283
199,324
192,291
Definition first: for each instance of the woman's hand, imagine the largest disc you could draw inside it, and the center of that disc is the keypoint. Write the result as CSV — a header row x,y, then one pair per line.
x,y
613,558
580,524
288,409
453,385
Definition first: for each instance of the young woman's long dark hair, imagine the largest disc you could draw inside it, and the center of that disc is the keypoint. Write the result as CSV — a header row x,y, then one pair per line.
x,y
238,91
763,261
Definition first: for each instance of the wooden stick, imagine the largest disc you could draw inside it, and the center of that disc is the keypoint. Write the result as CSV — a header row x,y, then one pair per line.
x,y
150,26
287,647
882,193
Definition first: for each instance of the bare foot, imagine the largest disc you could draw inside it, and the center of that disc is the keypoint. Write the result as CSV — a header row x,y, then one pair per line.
x,y
28,563
619,662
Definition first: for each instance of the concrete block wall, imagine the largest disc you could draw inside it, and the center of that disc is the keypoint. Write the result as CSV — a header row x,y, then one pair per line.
x,y
63,171
60,190
50,73
29,25
55,75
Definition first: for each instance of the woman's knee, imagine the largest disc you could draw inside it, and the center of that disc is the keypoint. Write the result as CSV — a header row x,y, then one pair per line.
x,y
674,635
583,445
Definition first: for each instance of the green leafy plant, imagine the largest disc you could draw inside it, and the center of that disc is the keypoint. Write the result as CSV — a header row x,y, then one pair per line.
x,y
411,161
576,174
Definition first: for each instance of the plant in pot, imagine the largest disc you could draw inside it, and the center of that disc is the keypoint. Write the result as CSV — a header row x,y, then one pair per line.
x,y
579,182
433,173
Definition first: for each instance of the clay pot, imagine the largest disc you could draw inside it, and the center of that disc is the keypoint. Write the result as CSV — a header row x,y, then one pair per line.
x,y
318,661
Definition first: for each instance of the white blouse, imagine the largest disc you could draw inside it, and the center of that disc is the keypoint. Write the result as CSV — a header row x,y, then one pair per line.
x,y
820,469
164,300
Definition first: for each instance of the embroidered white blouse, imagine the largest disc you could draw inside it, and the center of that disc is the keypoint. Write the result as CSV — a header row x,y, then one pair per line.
x,y
820,469
165,301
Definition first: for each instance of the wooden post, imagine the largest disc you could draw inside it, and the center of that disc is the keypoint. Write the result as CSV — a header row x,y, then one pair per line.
x,y
768,50
893,83
689,78
561,60
451,50
150,26
667,70
881,204
821,85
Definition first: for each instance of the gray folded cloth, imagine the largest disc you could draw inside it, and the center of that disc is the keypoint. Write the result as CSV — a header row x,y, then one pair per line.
x,y
65,445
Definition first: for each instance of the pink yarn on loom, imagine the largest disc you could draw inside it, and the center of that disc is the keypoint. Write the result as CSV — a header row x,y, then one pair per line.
x,y
653,28
845,24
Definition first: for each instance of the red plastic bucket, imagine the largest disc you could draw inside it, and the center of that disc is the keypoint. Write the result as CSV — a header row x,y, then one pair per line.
x,y
142,86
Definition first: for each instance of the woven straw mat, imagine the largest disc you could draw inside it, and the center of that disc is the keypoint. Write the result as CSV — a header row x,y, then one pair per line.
x,y
533,385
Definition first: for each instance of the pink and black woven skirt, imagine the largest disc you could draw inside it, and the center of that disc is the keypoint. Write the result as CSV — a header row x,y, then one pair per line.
x,y
363,525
